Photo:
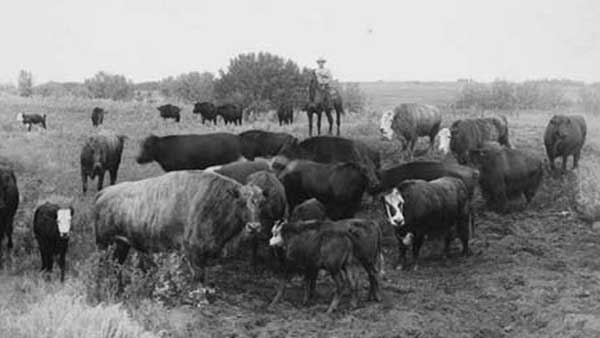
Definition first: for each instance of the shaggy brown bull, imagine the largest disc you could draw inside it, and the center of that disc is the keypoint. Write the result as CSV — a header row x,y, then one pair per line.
x,y
191,211
99,154
565,136
408,122
470,134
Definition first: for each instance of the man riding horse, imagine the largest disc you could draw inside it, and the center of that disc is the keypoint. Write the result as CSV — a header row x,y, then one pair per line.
x,y
323,97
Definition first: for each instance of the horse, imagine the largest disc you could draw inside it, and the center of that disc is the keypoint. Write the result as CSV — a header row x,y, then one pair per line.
x,y
321,101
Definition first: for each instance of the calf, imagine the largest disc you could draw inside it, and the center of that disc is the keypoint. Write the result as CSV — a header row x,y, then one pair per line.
x,y
31,119
470,134
9,202
565,136
333,246
99,154
97,116
308,210
285,114
207,110
51,227
230,113
418,209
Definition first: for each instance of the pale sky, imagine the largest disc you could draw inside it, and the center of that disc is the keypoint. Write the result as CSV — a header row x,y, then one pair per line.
x,y
69,40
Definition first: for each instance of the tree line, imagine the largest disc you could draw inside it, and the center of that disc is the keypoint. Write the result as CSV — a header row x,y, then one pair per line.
x,y
255,81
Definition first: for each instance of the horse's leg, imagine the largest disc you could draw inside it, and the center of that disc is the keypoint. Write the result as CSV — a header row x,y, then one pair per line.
x,y
329,119
337,117
319,114
310,117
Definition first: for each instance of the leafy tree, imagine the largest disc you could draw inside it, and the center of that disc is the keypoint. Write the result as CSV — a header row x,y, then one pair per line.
x,y
25,83
253,79
108,86
190,87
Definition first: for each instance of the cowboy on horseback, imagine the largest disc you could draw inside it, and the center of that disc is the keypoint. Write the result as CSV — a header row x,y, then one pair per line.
x,y
324,78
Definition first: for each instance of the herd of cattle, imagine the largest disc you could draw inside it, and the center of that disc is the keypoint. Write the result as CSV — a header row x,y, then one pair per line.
x,y
297,198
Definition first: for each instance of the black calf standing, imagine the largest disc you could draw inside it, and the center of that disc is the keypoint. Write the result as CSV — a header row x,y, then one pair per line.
x,y
51,227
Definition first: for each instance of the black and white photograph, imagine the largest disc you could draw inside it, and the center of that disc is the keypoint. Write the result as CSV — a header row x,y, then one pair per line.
x,y
317,168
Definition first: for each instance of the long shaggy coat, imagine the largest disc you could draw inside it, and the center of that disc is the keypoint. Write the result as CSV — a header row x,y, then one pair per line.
x,y
192,211
565,136
470,134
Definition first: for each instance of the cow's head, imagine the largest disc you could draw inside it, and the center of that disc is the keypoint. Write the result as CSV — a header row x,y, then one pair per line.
x,y
276,236
254,197
443,140
394,207
63,220
20,117
385,125
147,150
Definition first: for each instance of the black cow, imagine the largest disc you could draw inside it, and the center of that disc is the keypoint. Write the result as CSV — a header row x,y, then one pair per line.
x,y
419,209
97,116
333,246
31,119
506,173
169,111
427,170
230,113
565,136
285,114
332,149
338,186
9,202
207,110
51,227
308,210
260,143
181,152
239,171
99,154
470,134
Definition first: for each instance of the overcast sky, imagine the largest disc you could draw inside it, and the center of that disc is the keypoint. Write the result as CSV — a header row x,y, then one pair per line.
x,y
69,40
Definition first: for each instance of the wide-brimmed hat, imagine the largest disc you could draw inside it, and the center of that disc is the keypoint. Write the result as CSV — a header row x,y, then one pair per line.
x,y
321,60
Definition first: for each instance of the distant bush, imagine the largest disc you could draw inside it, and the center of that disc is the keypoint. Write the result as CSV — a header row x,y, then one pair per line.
x,y
108,86
505,95
589,98
190,87
355,100
25,83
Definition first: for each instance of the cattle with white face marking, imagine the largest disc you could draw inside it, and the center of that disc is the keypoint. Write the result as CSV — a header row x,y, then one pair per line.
x,y
408,122
418,209
52,227
31,119
442,140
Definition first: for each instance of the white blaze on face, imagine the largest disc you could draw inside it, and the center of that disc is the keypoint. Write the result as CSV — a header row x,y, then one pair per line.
x,y
63,218
385,125
276,239
20,117
394,204
443,139
408,239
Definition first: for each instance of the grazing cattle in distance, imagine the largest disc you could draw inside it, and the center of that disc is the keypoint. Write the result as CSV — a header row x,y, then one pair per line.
x,y
332,149
207,110
99,154
408,122
418,209
194,212
336,247
428,170
169,111
338,186
310,209
470,134
97,116
506,173
565,136
230,113
260,143
442,139
51,227
31,119
9,202
185,152
285,114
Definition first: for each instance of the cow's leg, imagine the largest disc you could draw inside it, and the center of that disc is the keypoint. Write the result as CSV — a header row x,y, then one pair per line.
x,y
101,180
121,251
401,252
310,278
29,126
339,288
337,117
352,279
310,121
576,159
418,242
564,163
113,175
463,235
62,265
447,242
84,183
280,290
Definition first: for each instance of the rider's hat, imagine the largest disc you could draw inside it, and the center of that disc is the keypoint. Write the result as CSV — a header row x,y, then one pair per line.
x,y
321,60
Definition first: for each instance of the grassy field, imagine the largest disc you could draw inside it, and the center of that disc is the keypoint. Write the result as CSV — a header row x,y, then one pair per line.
x,y
535,272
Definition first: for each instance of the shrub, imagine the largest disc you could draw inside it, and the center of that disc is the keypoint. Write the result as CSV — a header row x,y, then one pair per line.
x,y
108,86
355,100
25,83
190,87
